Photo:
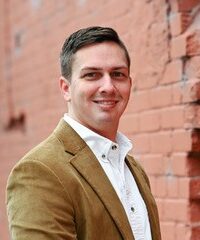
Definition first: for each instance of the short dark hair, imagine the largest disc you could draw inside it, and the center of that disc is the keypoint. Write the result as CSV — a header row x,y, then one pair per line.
x,y
84,37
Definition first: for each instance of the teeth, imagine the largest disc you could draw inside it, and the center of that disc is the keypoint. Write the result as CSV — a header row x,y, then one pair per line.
x,y
106,102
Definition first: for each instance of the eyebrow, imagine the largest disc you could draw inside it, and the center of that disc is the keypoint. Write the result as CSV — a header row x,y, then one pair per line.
x,y
98,68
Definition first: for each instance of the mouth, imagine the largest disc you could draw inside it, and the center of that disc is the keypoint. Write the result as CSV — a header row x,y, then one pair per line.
x,y
106,104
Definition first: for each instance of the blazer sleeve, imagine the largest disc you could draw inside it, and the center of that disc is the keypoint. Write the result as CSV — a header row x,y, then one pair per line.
x,y
37,204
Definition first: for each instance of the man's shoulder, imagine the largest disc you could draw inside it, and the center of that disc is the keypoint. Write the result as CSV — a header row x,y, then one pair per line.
x,y
56,151
48,158
48,151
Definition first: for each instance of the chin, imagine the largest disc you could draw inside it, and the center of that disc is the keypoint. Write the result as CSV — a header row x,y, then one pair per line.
x,y
106,120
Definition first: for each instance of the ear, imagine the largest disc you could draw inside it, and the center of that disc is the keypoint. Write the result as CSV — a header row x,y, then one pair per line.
x,y
131,81
65,88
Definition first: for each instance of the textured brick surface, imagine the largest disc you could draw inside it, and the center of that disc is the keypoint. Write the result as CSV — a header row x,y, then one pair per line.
x,y
185,5
163,115
173,72
179,22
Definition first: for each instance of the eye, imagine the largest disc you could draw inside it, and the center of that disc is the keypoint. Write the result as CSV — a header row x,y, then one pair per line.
x,y
91,75
118,75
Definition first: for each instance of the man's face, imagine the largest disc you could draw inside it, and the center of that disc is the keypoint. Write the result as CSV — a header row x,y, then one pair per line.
x,y
100,86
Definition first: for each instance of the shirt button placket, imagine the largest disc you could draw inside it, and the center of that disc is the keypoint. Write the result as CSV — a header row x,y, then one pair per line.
x,y
132,209
114,147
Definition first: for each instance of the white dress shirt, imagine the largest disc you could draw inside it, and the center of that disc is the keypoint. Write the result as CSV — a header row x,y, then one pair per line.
x,y
111,156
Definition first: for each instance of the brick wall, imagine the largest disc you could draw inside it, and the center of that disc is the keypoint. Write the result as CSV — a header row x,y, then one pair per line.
x,y
163,116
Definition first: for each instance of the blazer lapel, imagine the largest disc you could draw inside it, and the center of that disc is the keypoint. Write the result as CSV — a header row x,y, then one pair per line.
x,y
147,197
88,166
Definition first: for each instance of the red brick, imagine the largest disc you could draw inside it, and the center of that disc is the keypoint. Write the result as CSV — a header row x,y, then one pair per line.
x,y
195,233
178,164
178,47
195,89
190,91
146,80
149,121
168,230
177,93
173,117
129,123
192,116
173,72
184,187
183,5
179,22
172,187
114,12
187,5
194,211
176,210
161,187
141,143
183,231
139,101
192,68
196,140
161,142
120,24
161,97
195,188
193,166
173,5
153,164
181,140
193,43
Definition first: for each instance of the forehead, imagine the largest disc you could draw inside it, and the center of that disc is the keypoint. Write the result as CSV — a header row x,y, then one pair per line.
x,y
100,55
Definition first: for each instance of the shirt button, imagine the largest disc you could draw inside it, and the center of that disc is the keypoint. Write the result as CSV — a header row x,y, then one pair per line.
x,y
132,209
103,156
114,147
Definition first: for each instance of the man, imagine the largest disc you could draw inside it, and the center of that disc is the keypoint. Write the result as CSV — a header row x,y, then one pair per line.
x,y
80,183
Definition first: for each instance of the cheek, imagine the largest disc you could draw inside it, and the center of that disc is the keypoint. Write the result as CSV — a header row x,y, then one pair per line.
x,y
81,96
89,91
125,91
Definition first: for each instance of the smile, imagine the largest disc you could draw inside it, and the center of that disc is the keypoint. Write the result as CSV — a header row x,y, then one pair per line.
x,y
106,105
106,102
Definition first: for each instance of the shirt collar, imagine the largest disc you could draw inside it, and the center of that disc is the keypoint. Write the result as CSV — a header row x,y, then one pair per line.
x,y
105,150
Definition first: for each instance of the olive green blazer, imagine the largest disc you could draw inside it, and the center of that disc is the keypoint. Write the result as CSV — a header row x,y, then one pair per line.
x,y
59,191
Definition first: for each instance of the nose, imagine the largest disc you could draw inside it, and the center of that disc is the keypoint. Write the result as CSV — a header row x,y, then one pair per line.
x,y
107,85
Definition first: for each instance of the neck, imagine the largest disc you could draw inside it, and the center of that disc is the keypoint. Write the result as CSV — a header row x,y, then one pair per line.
x,y
109,136
105,129
108,132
